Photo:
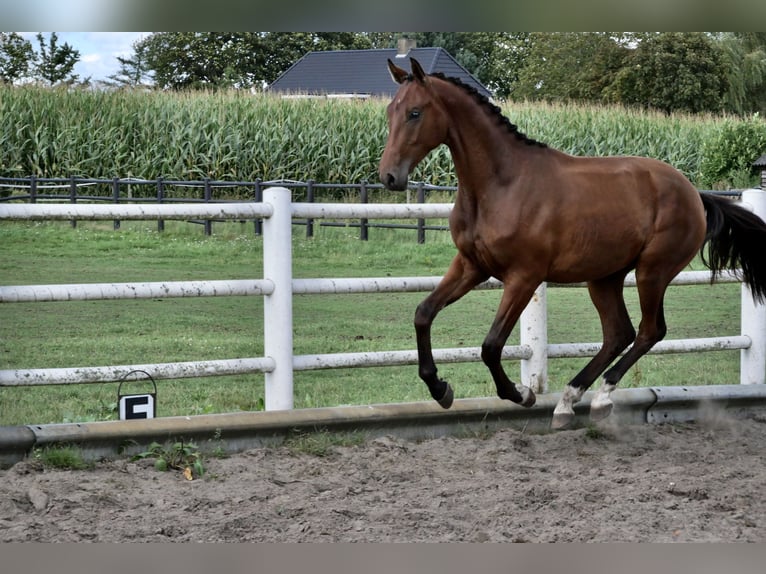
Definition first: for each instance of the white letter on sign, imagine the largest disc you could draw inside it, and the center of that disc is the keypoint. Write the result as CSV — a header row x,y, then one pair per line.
x,y
136,407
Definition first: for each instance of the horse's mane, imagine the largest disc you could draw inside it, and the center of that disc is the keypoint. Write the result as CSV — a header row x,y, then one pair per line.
x,y
491,108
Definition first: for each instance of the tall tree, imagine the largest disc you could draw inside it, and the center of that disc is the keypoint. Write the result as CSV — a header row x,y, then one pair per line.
x,y
280,50
55,63
183,60
16,56
483,54
673,71
382,40
134,71
569,65
509,58
745,58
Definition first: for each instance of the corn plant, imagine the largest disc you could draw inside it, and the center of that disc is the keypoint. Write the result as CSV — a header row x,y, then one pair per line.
x,y
241,136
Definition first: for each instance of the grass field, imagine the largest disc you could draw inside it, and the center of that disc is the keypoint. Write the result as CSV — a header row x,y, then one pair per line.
x,y
95,333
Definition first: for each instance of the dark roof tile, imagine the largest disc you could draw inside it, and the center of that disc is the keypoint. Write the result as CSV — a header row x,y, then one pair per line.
x,y
363,72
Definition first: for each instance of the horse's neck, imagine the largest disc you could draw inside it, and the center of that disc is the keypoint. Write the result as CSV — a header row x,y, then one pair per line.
x,y
484,161
485,155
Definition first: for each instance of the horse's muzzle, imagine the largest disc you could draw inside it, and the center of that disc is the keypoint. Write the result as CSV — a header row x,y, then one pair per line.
x,y
392,182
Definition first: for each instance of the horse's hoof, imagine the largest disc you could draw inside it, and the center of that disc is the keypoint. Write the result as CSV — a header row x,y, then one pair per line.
x,y
562,421
528,398
600,412
446,400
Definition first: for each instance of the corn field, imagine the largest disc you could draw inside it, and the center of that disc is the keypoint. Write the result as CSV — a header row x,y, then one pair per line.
x,y
241,136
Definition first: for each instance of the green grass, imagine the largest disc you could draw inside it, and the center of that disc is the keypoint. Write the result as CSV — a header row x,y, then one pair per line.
x,y
95,333
61,457
321,442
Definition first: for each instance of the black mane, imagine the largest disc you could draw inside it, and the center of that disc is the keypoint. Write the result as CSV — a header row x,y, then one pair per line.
x,y
491,108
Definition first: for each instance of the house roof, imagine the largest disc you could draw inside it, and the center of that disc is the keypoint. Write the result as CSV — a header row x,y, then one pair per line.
x,y
364,72
760,162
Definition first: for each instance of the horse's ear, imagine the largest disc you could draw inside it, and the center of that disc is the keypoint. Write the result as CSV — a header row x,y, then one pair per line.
x,y
397,74
417,71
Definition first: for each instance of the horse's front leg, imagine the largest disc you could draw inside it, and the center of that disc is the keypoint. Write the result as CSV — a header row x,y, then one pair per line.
x,y
516,296
461,277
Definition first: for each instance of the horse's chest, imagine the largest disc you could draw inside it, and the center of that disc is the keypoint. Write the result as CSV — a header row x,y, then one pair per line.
x,y
482,250
493,243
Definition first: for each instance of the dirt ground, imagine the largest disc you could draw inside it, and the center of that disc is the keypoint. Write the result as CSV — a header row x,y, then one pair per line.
x,y
696,482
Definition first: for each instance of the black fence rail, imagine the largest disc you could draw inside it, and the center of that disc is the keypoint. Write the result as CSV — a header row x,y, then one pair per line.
x,y
160,190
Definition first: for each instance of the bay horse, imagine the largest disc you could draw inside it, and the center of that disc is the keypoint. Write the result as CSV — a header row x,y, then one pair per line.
x,y
526,213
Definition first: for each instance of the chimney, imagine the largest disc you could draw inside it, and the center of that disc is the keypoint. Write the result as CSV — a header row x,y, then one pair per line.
x,y
404,45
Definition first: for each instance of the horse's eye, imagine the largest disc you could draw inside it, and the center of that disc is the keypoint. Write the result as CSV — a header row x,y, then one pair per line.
x,y
413,114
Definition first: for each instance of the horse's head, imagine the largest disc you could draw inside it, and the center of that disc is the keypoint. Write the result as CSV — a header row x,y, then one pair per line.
x,y
417,123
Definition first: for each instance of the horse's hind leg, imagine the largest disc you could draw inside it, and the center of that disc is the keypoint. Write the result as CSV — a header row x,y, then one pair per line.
x,y
516,295
461,277
618,333
651,330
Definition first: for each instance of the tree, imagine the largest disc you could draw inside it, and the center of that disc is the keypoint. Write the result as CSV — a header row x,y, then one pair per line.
x,y
509,58
280,50
185,59
211,60
484,54
134,71
570,65
382,40
55,63
16,56
673,71
188,60
745,57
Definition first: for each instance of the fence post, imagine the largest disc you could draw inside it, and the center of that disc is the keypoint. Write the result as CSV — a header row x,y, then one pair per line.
x,y
309,199
116,200
160,199
421,221
208,194
278,306
258,198
72,198
753,359
363,227
534,332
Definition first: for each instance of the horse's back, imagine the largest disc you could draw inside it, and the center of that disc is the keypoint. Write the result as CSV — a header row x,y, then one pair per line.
x,y
607,210
625,174
632,187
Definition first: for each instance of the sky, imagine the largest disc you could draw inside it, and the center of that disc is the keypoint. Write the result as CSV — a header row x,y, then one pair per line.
x,y
98,50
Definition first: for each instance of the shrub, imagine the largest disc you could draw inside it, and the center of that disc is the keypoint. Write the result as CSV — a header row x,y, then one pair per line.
x,y
728,156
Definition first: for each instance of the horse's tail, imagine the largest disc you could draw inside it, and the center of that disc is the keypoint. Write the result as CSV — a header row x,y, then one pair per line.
x,y
735,239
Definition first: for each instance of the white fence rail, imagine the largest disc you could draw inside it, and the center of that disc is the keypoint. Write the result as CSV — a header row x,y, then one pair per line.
x,y
278,288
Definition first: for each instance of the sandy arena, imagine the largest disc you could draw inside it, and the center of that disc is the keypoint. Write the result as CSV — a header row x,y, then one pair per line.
x,y
653,483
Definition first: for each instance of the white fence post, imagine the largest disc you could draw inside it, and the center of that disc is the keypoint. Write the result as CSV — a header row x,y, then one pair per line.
x,y
278,306
753,359
534,332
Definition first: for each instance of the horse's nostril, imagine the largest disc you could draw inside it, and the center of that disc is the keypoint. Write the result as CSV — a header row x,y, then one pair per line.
x,y
390,181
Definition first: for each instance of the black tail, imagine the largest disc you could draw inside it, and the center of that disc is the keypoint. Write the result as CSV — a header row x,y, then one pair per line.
x,y
735,239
